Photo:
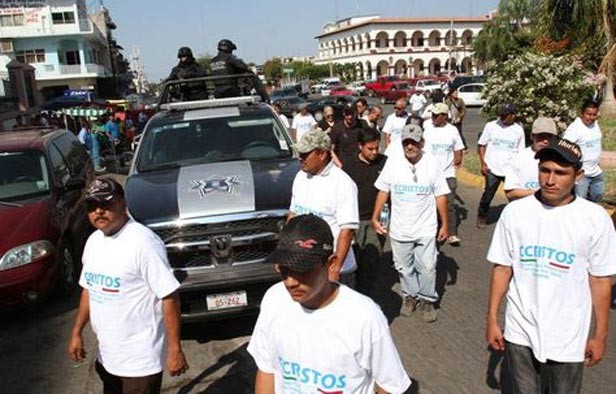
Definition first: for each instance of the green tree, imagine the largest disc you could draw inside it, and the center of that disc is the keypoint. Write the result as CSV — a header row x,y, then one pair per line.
x,y
590,25
272,69
204,61
346,71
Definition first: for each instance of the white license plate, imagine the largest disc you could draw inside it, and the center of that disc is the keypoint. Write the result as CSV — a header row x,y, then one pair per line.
x,y
226,300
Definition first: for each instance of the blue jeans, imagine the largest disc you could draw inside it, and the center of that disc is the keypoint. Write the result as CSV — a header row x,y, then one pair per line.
x,y
591,187
451,205
492,184
95,152
529,376
415,261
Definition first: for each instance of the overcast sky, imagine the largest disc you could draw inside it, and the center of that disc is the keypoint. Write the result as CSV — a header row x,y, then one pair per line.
x,y
261,29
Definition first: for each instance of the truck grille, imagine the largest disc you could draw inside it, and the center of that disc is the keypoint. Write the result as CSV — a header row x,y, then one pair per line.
x,y
243,248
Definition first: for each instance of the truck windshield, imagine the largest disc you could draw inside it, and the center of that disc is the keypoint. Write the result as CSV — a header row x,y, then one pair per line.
x,y
212,140
23,174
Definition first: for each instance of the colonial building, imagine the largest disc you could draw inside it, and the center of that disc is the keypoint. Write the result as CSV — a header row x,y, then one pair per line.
x,y
69,49
401,46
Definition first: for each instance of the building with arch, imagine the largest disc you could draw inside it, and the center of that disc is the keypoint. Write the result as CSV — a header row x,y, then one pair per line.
x,y
401,46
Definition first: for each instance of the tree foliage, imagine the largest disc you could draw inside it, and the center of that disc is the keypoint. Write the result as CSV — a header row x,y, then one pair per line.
x,y
272,69
204,61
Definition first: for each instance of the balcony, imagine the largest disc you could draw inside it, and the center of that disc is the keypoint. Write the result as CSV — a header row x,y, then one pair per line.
x,y
55,71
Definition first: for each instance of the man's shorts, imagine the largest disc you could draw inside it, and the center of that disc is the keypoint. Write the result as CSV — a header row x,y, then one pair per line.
x,y
113,384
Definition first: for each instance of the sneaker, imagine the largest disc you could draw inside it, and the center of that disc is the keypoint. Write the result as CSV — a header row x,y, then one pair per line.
x,y
409,304
428,313
454,240
481,221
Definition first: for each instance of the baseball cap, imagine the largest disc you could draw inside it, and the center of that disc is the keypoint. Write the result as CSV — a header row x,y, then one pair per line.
x,y
411,132
306,240
570,152
440,108
314,139
508,108
544,125
104,190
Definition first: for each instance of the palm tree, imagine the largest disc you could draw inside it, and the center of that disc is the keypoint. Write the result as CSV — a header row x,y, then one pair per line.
x,y
579,20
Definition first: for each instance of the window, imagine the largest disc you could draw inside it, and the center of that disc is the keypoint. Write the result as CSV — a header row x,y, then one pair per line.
x,y
6,46
30,56
23,174
59,168
63,18
73,152
12,20
72,57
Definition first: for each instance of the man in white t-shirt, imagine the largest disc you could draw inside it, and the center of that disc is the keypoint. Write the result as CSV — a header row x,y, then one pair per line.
x,y
522,176
129,296
444,142
393,127
323,189
552,255
318,336
302,123
585,132
418,102
500,140
418,190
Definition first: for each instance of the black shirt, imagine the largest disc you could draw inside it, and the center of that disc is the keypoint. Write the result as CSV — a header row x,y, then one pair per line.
x,y
364,175
345,139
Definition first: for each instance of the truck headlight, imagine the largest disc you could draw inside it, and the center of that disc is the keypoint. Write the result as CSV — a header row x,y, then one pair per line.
x,y
26,254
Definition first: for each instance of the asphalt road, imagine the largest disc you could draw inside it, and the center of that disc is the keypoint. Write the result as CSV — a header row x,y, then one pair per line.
x,y
448,356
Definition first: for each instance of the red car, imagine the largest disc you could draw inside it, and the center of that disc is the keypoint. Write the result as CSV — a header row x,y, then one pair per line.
x,y
341,91
43,220
395,91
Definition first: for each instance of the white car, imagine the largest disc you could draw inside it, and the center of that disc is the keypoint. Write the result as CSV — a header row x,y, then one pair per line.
x,y
359,88
428,85
472,94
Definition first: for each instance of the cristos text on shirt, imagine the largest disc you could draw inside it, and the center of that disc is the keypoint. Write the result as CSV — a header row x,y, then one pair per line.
x,y
503,144
413,189
295,372
301,210
107,283
546,252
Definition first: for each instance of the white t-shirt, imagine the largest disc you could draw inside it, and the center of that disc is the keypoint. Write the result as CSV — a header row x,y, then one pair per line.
x,y
523,173
417,102
284,120
302,124
552,251
442,142
501,143
332,196
589,140
343,347
413,213
126,276
393,126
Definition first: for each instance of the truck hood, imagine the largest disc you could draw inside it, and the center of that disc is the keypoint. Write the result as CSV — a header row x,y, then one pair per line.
x,y
210,189
20,225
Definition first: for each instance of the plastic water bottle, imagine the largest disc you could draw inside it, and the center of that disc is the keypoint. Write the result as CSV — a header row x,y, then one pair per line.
x,y
384,217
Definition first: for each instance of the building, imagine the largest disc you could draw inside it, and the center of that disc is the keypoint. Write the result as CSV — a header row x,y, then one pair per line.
x,y
401,46
60,40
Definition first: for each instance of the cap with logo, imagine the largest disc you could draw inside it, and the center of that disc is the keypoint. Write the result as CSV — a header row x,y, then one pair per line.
x,y
104,190
440,108
305,241
568,151
411,132
508,108
314,139
543,125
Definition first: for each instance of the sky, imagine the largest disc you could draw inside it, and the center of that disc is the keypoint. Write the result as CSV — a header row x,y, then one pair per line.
x,y
261,29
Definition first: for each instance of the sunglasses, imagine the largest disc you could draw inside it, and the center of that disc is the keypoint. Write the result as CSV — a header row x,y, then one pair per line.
x,y
92,206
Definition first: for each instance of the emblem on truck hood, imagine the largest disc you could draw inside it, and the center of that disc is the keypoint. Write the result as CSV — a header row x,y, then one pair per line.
x,y
216,183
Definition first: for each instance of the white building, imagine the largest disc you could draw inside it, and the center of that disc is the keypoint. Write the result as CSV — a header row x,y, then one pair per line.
x,y
59,39
396,46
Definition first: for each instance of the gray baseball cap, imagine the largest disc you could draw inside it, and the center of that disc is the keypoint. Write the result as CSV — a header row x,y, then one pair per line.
x,y
544,125
314,139
411,132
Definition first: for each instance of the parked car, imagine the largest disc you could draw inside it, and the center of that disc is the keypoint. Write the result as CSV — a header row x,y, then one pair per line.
x,y
464,80
43,219
341,91
213,180
381,84
336,102
330,86
396,91
472,94
290,105
283,93
428,85
358,88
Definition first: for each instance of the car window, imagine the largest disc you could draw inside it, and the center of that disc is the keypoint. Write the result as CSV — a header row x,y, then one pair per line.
x,y
23,174
59,166
73,152
213,140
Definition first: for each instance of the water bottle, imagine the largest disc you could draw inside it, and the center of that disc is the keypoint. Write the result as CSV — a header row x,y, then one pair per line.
x,y
384,217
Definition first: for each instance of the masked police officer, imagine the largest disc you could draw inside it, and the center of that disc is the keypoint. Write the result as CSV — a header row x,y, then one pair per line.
x,y
225,63
188,68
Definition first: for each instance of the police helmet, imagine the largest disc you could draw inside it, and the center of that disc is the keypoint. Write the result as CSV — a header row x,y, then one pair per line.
x,y
226,46
184,51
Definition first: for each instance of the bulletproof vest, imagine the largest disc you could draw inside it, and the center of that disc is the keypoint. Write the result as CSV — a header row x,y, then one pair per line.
x,y
221,65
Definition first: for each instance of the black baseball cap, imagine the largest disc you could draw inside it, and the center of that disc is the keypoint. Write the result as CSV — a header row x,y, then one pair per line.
x,y
104,190
508,108
568,151
305,241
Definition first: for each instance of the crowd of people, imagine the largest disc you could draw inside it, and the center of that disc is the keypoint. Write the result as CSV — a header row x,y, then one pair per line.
x,y
359,187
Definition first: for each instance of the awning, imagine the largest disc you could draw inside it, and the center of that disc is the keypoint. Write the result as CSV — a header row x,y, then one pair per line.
x,y
88,112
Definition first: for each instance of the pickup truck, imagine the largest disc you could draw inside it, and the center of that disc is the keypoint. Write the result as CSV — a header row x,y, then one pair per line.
x,y
381,84
396,91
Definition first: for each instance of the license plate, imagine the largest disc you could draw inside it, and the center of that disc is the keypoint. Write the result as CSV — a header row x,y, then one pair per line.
x,y
226,300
